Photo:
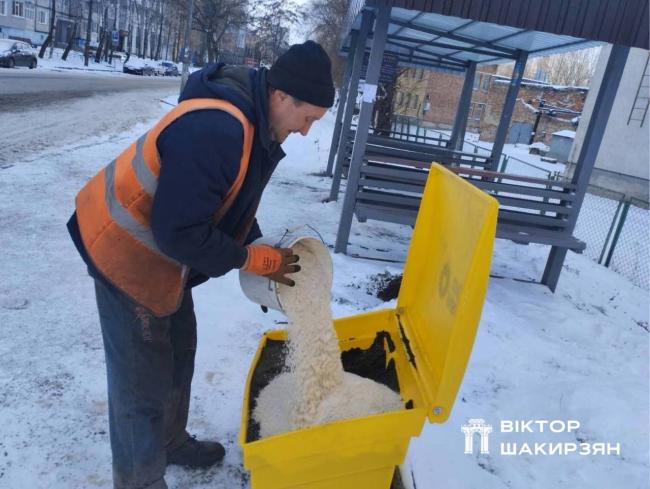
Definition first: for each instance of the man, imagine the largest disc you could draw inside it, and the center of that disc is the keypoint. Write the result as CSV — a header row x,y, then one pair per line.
x,y
175,208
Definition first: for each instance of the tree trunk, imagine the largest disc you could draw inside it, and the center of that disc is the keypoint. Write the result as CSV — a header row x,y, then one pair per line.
x,y
50,35
88,29
169,35
107,35
384,109
100,45
146,42
68,46
160,29
178,41
108,46
129,45
211,48
175,49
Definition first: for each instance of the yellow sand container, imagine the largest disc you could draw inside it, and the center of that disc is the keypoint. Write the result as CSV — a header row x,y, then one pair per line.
x,y
432,328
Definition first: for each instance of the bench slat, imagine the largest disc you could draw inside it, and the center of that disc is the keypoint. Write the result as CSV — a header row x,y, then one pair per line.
x,y
509,176
390,184
508,216
534,204
521,189
531,235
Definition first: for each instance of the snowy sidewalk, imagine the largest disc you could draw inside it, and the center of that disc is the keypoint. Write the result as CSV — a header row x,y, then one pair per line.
x,y
579,354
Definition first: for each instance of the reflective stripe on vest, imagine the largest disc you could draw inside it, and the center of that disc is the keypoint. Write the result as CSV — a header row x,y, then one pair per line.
x,y
114,212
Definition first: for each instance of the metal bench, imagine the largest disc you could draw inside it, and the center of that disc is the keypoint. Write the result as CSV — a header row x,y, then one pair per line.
x,y
385,149
532,210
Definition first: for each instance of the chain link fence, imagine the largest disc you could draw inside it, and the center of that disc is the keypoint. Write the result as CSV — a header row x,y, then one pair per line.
x,y
616,230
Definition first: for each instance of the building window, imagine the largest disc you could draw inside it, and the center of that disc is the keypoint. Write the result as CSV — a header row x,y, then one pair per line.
x,y
415,101
400,99
485,82
3,7
421,74
30,11
42,17
476,112
18,9
408,100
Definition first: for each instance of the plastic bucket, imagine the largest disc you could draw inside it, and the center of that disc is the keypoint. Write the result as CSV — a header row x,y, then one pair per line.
x,y
263,290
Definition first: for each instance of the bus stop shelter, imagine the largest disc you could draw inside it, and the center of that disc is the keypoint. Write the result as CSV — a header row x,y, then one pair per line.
x,y
457,37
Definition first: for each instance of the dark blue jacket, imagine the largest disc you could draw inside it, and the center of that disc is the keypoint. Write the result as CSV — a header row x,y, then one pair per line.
x,y
200,155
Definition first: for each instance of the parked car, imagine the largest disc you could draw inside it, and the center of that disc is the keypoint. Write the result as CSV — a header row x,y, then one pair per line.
x,y
119,56
17,53
158,70
140,70
170,68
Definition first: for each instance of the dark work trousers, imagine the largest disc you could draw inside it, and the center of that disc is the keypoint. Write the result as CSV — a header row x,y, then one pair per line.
x,y
149,366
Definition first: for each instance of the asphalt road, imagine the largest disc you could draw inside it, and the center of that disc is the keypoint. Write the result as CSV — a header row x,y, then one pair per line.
x,y
21,88
41,111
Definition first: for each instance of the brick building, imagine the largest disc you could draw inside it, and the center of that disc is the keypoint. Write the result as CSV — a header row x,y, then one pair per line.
x,y
489,95
411,89
442,90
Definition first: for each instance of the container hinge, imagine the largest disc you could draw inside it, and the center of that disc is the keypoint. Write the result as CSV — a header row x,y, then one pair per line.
x,y
407,343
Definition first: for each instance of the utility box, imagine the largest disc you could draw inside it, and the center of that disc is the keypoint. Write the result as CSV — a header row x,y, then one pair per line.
x,y
419,349
561,145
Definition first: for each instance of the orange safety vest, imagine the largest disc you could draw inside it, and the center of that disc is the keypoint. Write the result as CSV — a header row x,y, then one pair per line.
x,y
114,211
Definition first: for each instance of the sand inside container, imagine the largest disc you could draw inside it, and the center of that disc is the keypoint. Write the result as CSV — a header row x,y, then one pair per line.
x,y
315,389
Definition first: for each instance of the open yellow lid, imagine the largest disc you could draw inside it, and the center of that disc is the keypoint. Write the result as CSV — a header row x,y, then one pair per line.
x,y
444,284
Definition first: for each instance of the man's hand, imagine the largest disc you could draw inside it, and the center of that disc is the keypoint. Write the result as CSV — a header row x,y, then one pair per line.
x,y
271,262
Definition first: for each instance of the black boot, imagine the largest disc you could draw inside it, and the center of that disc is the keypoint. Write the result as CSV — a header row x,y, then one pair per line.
x,y
194,453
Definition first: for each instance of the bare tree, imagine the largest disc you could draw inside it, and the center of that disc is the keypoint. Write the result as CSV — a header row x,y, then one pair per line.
x,y
88,31
326,18
161,18
102,33
272,21
215,17
68,46
575,68
50,35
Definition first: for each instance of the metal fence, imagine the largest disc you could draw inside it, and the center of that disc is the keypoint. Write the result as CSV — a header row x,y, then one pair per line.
x,y
616,231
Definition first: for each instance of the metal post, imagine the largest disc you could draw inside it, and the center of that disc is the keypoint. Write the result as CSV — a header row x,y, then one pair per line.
x,y
609,232
367,104
538,116
357,63
617,234
188,33
504,165
462,113
588,153
343,95
508,109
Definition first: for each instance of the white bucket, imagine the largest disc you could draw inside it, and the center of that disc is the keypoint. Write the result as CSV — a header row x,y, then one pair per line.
x,y
264,291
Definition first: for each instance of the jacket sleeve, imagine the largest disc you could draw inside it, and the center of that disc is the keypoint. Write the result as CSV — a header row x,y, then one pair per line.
x,y
200,154
254,233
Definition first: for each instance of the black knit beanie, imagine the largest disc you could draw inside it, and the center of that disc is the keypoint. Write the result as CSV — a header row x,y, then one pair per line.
x,y
304,72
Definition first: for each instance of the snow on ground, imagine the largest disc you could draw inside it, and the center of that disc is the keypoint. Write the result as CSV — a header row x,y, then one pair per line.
x,y
580,354
75,63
